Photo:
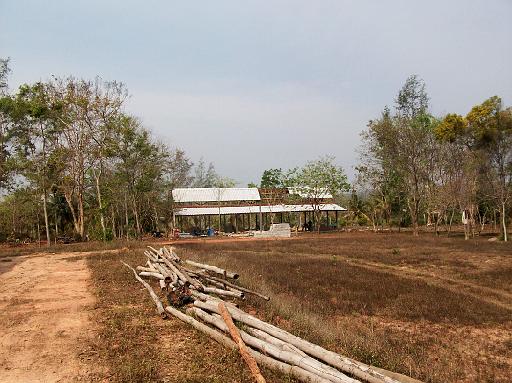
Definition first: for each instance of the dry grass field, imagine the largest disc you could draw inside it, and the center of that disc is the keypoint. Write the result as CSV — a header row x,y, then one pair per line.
x,y
437,309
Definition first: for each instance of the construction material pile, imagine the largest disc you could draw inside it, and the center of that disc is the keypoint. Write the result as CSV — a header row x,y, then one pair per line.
x,y
205,297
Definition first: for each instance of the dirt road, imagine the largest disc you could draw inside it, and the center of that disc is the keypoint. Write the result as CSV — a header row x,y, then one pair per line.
x,y
44,302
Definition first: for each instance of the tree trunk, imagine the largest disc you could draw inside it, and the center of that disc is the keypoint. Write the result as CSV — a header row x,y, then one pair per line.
x,y
56,227
136,215
413,209
81,215
126,214
100,203
504,221
69,200
46,224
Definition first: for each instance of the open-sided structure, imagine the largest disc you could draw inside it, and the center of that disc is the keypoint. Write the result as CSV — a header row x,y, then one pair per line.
x,y
248,208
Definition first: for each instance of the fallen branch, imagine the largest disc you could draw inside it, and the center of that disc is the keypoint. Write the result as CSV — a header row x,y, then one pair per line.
x,y
159,306
225,293
151,274
227,283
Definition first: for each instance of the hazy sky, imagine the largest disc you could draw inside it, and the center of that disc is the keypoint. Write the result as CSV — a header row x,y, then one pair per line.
x,y
256,84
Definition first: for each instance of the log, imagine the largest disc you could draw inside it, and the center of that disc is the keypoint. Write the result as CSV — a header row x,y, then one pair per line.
x,y
159,306
150,265
272,340
170,252
214,269
237,287
150,256
157,252
306,363
235,334
206,297
224,287
357,369
163,285
225,293
148,269
163,270
296,372
151,274
182,274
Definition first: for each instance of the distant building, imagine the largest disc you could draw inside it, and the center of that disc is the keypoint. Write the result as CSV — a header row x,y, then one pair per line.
x,y
241,209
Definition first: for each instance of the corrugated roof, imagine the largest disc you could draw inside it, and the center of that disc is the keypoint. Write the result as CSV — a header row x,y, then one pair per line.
x,y
215,194
188,211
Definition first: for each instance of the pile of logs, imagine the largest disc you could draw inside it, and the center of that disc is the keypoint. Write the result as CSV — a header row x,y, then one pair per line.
x,y
208,295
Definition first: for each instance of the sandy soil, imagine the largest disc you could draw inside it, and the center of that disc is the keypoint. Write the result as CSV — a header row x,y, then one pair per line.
x,y
44,302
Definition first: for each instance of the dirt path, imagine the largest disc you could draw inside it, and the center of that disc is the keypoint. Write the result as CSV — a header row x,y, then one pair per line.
x,y
44,320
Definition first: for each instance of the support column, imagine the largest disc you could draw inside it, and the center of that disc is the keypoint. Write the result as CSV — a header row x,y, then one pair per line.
x,y
261,220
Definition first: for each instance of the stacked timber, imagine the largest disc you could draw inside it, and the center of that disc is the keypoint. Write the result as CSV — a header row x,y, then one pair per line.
x,y
277,230
205,296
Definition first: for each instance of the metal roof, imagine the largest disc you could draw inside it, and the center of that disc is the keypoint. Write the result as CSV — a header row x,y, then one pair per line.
x,y
215,194
189,211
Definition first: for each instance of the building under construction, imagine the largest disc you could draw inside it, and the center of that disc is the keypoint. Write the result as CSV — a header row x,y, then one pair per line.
x,y
243,209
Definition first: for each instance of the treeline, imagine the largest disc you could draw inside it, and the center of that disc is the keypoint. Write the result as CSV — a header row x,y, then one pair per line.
x,y
416,168
74,163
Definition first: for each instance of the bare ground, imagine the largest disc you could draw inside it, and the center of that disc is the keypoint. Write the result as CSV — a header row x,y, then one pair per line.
x,y
44,302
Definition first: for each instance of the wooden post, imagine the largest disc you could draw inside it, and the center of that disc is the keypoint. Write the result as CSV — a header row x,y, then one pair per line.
x,y
261,219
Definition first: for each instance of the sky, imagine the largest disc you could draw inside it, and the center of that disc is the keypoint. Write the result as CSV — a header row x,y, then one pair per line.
x,y
251,85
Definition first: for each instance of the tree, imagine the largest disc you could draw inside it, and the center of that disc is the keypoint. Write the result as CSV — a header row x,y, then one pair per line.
x,y
490,131
4,73
140,166
399,151
272,178
485,136
37,135
318,180
412,99
6,105
378,178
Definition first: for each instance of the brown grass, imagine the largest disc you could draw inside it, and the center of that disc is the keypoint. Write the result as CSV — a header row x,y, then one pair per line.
x,y
438,309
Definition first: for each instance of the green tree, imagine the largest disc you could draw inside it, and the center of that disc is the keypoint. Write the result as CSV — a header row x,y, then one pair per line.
x,y
272,178
319,180
37,135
